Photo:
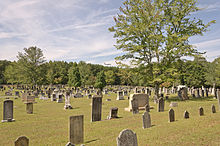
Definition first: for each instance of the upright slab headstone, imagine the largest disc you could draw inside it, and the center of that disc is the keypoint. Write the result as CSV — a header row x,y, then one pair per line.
x,y
134,105
201,111
29,108
147,108
160,105
186,115
127,138
171,115
113,113
96,109
8,111
142,100
213,109
120,95
22,141
76,129
218,97
146,120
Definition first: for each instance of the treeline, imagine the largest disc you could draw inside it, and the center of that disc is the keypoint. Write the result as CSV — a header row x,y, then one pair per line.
x,y
31,68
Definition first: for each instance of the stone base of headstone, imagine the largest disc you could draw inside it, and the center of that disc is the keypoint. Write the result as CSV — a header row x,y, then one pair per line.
x,y
9,120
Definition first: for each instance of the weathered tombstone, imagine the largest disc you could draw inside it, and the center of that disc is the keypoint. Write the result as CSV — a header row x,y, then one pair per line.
x,y
22,141
54,97
134,105
120,95
213,109
113,113
146,120
60,98
96,108
8,111
17,93
171,115
147,108
69,144
197,93
173,104
29,108
127,138
67,101
125,93
76,129
186,115
218,97
142,100
201,111
160,105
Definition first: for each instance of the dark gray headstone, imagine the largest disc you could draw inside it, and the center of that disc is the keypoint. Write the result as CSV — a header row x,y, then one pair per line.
x,y
213,109
147,108
171,115
134,106
113,113
76,129
29,108
201,111
22,141
127,138
8,111
186,115
146,120
96,109
160,105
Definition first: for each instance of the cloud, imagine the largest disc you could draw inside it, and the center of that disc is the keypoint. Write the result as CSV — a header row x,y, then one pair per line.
x,y
210,7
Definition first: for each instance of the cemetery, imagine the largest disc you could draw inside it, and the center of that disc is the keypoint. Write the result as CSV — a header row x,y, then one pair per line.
x,y
115,72
96,121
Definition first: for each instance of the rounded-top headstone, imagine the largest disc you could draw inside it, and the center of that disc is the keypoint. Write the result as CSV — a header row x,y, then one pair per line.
x,y
127,138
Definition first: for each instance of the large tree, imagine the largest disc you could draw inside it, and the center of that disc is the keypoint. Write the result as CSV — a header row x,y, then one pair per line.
x,y
29,65
74,76
156,33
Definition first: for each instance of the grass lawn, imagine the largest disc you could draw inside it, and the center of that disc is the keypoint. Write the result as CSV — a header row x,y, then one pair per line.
x,y
49,123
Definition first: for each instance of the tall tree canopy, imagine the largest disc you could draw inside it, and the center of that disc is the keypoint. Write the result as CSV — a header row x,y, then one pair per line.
x,y
29,65
74,76
156,33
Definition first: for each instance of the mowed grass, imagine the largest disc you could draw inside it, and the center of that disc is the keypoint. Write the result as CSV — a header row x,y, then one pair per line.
x,y
49,123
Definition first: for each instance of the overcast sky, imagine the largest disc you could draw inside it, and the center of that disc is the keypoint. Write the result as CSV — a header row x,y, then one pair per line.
x,y
75,30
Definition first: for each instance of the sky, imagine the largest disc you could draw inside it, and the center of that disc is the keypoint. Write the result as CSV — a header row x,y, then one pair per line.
x,y
77,30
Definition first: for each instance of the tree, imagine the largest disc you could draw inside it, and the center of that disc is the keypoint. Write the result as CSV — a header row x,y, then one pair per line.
x,y
74,76
3,66
100,80
29,65
155,33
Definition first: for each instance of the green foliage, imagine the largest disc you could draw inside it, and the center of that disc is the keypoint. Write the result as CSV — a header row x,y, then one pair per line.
x,y
3,65
100,80
29,65
74,76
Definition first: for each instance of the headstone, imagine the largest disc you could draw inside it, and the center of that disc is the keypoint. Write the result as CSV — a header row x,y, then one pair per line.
x,y
127,138
201,111
22,141
8,111
120,95
96,108
218,97
76,129
186,115
113,113
60,98
29,108
160,105
142,100
173,104
134,105
67,101
171,115
69,144
146,120
54,97
213,109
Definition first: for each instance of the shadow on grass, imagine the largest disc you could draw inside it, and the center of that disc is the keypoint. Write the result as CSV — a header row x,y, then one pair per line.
x,y
91,140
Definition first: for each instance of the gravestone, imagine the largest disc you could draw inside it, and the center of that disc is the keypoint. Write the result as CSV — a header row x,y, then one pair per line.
x,y
67,101
127,138
142,100
146,120
8,111
60,98
113,113
120,95
96,108
186,115
125,93
69,144
218,97
54,97
201,111
173,104
76,129
171,115
22,141
160,105
17,93
134,105
213,109
29,108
